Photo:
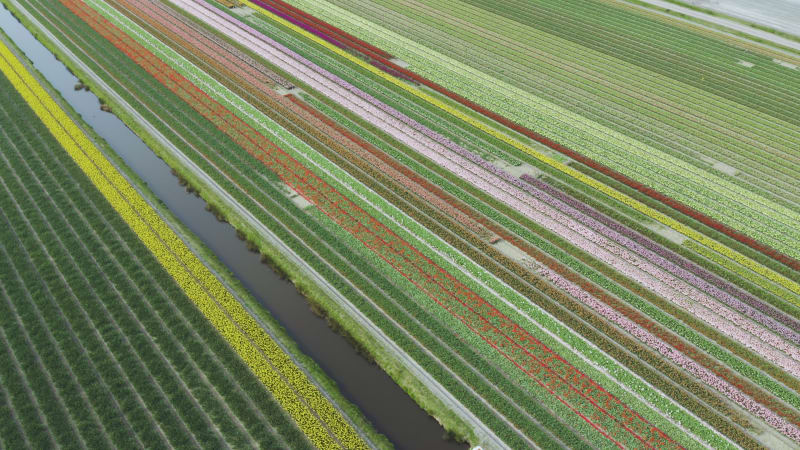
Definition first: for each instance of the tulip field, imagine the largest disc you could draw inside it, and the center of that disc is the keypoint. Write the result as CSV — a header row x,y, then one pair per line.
x,y
65,208
570,224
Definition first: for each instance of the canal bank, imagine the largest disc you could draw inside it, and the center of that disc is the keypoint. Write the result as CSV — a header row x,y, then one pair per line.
x,y
384,403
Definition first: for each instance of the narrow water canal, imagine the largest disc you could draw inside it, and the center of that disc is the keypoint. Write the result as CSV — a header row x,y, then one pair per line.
x,y
389,408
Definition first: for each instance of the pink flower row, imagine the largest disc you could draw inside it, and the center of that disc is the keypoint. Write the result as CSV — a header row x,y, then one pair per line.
x,y
672,354
766,314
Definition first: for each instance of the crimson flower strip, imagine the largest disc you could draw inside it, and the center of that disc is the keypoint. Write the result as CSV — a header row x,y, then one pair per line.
x,y
660,285
386,160
669,338
301,19
435,283
357,44
665,336
308,27
547,368
605,170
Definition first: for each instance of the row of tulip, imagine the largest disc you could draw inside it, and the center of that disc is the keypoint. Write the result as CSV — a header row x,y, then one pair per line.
x,y
733,392
425,114
545,81
679,131
174,25
446,291
329,129
595,184
722,78
589,240
424,58
439,221
311,28
428,40
585,56
514,64
329,33
215,157
399,264
733,42
220,123
683,181
300,17
274,367
729,294
249,64
722,286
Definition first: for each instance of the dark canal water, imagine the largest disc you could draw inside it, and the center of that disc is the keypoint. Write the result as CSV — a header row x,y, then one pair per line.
x,y
384,403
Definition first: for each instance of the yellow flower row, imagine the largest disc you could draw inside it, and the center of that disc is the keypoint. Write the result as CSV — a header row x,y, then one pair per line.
x,y
741,271
611,192
314,413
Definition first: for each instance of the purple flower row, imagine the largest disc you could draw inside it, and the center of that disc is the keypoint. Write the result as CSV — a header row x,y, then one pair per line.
x,y
619,238
766,314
